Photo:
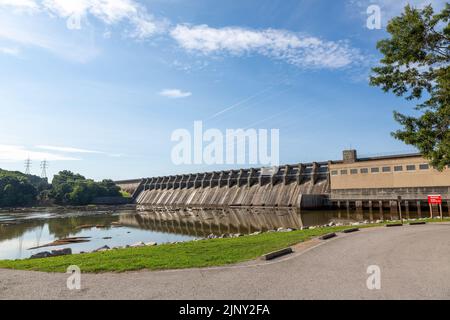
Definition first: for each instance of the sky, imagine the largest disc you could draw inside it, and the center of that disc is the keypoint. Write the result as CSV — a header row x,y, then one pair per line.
x,y
99,86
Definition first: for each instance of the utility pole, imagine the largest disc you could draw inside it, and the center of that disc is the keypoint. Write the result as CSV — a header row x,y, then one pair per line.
x,y
28,166
44,167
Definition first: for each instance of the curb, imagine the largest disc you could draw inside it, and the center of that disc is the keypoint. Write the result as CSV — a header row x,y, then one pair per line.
x,y
328,236
350,230
394,225
276,254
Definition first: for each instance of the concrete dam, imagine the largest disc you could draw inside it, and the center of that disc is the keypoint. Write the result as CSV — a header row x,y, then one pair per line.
x,y
301,186
392,182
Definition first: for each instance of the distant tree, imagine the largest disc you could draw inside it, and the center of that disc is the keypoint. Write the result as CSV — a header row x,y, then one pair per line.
x,y
74,189
109,189
16,191
416,64
66,176
67,188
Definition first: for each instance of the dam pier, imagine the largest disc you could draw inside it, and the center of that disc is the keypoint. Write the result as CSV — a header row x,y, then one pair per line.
x,y
396,182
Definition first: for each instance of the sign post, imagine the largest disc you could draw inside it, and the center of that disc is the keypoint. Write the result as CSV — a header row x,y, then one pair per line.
x,y
435,200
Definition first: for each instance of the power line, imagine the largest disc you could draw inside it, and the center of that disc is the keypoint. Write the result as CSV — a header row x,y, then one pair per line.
x,y
44,167
28,163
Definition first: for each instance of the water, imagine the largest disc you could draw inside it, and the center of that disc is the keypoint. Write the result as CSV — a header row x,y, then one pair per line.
x,y
21,231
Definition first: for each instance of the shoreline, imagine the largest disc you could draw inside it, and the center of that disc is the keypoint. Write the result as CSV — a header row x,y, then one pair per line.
x,y
68,208
186,255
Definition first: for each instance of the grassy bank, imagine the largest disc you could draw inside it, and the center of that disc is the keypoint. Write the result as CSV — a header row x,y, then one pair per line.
x,y
215,252
207,253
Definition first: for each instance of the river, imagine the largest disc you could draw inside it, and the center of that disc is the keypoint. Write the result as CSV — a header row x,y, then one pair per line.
x,y
19,232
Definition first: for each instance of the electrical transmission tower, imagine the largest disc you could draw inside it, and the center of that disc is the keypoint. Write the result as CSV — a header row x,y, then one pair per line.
x,y
28,166
44,167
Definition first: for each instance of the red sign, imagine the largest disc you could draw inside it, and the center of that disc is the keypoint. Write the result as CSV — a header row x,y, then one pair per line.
x,y
436,199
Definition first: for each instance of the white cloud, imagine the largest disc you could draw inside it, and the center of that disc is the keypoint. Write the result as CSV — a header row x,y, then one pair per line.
x,y
67,149
14,153
302,51
24,31
27,5
77,150
175,93
10,51
109,12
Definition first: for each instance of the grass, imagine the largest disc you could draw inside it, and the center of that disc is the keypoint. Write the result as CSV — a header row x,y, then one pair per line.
x,y
207,253
125,194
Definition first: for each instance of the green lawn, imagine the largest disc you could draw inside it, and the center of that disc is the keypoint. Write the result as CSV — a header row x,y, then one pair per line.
x,y
206,253
215,252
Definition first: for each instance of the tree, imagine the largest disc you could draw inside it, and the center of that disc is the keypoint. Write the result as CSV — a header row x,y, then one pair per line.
x,y
66,176
16,191
74,189
19,190
416,64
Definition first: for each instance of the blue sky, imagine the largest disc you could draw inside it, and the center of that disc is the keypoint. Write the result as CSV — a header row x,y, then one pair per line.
x,y
98,86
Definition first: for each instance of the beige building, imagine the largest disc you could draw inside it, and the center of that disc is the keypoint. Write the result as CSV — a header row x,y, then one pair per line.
x,y
409,176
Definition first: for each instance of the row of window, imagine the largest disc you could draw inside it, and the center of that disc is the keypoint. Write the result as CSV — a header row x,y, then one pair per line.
x,y
411,167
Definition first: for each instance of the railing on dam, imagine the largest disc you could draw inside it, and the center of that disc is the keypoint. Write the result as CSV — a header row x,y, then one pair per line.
x,y
287,186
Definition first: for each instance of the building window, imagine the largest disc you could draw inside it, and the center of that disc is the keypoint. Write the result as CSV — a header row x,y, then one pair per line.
x,y
344,172
386,169
364,170
398,168
411,167
424,166
334,173
374,170
353,171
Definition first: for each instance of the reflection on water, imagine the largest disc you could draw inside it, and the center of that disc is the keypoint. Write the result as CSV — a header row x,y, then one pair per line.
x,y
19,232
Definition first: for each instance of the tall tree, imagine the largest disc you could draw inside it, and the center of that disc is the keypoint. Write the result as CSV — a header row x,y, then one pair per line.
x,y
416,65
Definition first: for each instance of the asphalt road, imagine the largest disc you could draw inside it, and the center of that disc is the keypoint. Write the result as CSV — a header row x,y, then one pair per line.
x,y
414,263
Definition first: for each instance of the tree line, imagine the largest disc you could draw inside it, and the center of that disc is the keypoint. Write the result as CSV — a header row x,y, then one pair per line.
x,y
67,188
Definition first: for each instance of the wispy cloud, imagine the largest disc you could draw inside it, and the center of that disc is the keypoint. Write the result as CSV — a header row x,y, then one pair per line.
x,y
299,50
10,51
67,149
110,12
175,93
64,149
13,153
25,32
18,5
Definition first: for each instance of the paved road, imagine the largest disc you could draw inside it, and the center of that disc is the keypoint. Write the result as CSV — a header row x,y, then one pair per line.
x,y
414,262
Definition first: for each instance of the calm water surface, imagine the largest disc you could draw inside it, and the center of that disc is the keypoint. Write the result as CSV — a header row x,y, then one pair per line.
x,y
21,231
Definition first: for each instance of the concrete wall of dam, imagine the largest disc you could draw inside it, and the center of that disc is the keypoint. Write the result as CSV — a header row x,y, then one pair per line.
x,y
133,187
200,222
384,181
303,185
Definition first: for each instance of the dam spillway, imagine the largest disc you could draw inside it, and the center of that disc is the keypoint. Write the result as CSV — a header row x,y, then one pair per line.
x,y
199,222
391,181
302,185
